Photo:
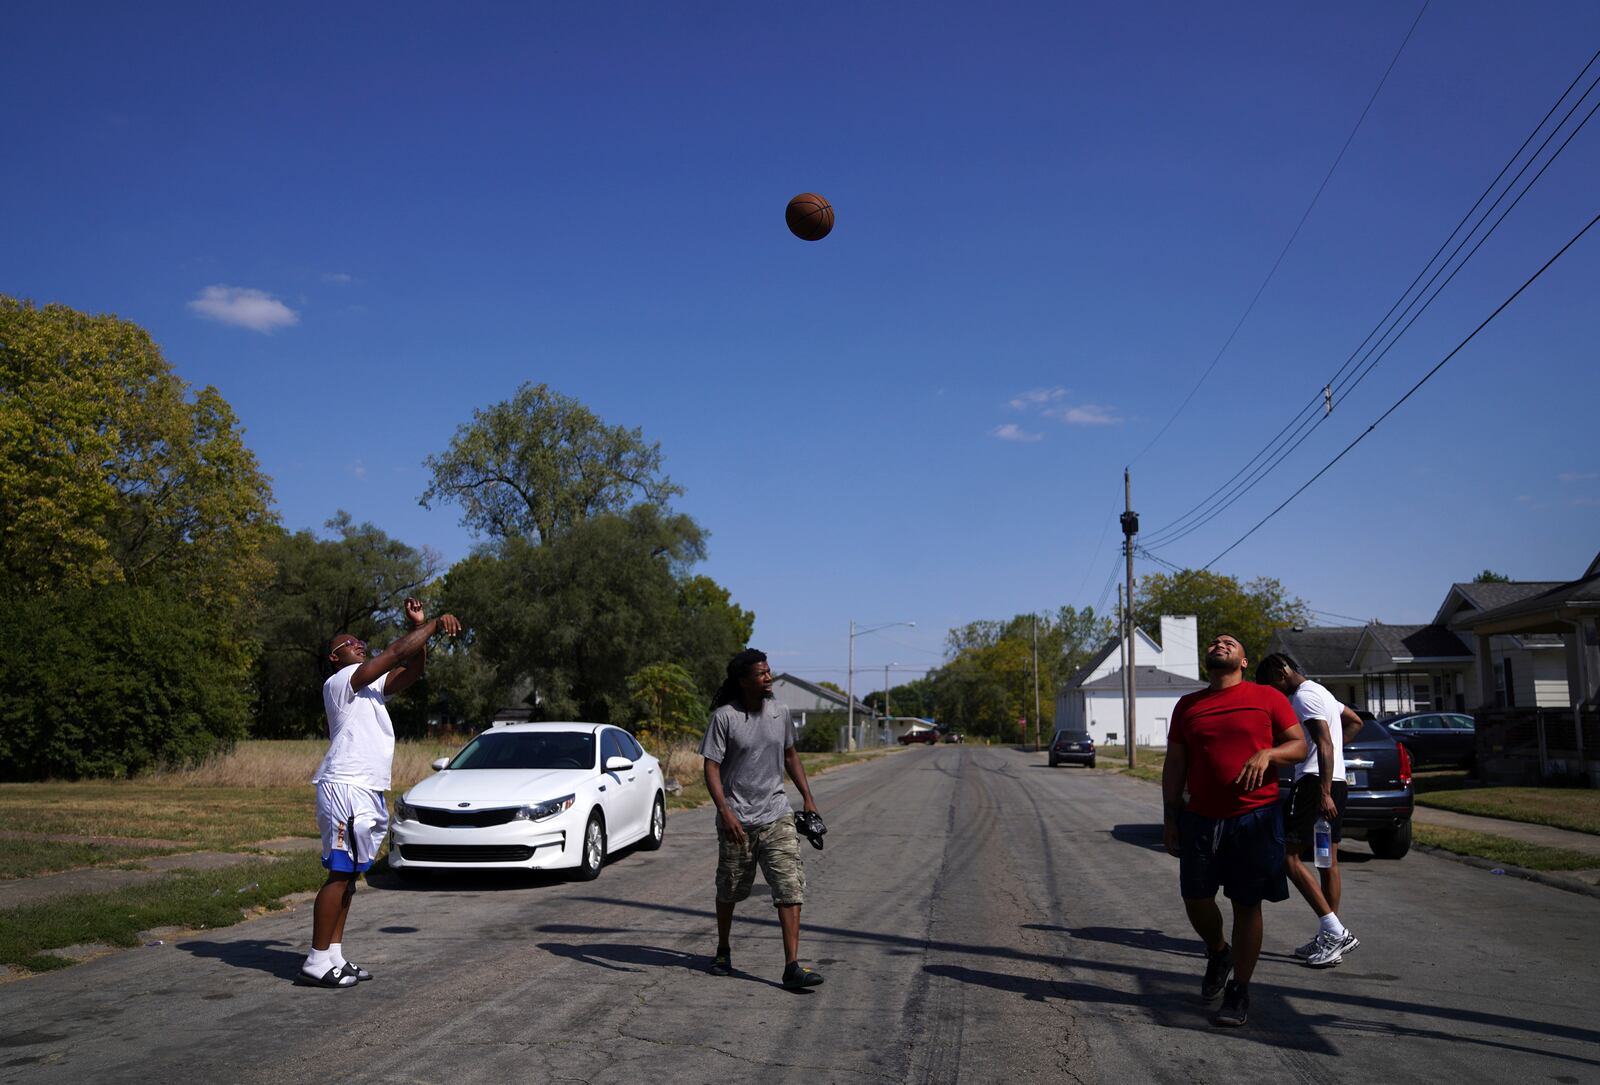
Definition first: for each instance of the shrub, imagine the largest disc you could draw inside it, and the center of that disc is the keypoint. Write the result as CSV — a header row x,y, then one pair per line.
x,y
110,680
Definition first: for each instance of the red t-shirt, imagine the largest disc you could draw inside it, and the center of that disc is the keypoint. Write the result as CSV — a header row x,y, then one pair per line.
x,y
1220,729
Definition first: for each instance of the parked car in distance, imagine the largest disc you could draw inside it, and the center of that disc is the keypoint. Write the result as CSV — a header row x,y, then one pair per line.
x,y
927,736
532,796
1379,796
1073,747
954,736
1436,739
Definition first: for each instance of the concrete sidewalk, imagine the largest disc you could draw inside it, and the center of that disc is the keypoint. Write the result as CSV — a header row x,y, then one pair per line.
x,y
1542,835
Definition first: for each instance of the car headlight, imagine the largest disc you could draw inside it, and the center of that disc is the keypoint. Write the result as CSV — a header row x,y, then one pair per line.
x,y
541,811
404,811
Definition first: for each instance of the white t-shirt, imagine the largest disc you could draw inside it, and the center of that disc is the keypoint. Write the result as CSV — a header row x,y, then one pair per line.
x,y
361,738
1314,702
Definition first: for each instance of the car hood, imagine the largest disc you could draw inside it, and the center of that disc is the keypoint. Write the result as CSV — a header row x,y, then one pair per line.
x,y
495,787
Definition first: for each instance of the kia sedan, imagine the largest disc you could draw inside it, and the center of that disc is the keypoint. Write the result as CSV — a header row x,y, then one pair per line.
x,y
1436,738
532,796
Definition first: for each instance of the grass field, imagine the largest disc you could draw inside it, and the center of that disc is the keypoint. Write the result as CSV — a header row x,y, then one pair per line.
x,y
1501,849
30,858
1149,761
1576,809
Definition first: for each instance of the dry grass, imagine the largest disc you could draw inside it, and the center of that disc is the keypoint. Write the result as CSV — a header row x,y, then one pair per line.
x,y
290,763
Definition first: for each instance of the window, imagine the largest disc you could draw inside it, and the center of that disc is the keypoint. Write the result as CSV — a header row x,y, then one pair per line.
x,y
1460,723
610,746
527,750
630,746
1421,696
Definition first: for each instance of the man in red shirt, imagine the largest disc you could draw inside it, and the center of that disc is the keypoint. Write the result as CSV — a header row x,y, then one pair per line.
x,y
1222,748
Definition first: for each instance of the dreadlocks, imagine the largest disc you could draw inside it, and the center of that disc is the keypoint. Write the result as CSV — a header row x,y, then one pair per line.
x,y
729,692
1278,663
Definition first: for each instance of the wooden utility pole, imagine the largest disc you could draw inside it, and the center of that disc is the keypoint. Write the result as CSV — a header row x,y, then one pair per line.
x,y
1036,683
1130,528
1122,657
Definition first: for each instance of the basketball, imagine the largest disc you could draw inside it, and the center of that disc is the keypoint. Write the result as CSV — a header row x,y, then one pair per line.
x,y
809,216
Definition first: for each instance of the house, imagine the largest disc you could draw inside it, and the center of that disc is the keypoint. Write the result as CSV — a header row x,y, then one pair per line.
x,y
1528,669
806,699
1092,699
1555,733
1326,654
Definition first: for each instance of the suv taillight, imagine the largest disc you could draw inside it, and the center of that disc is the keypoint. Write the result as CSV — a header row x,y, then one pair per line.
x,y
1405,765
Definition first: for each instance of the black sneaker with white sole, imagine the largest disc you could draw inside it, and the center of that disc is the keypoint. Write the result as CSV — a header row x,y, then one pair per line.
x,y
1235,1008
1219,966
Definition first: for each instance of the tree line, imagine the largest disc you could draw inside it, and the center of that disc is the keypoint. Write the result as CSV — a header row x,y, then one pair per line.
x,y
162,611
986,684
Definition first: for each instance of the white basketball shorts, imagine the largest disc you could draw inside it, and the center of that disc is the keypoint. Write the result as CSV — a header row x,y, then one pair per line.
x,y
343,809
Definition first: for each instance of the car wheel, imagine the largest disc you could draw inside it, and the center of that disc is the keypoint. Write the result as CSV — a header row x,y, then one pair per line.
x,y
1391,843
1054,762
594,849
1091,762
658,825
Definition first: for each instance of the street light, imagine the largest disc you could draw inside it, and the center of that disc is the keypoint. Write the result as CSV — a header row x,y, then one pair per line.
x,y
850,692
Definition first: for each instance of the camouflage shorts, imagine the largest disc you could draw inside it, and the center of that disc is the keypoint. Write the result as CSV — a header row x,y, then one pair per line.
x,y
776,848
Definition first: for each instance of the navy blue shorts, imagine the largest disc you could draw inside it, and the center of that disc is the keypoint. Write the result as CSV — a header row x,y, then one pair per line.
x,y
1242,855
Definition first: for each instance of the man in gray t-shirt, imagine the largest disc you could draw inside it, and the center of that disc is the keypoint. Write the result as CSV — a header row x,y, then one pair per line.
x,y
748,745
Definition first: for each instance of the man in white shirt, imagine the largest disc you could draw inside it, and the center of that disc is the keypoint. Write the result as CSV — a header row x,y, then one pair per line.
x,y
350,782
1319,791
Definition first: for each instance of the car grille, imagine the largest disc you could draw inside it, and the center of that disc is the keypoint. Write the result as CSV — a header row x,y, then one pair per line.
x,y
466,853
476,819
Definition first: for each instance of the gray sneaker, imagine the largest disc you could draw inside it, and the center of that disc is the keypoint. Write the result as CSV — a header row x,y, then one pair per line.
x,y
1309,948
1331,950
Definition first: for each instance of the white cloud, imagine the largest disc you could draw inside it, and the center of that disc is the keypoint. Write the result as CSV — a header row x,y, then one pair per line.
x,y
1037,397
359,470
1088,414
1525,499
244,307
1586,502
1576,476
1010,431
338,278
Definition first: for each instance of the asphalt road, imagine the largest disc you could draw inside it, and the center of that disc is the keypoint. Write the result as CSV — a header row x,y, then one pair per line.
x,y
978,916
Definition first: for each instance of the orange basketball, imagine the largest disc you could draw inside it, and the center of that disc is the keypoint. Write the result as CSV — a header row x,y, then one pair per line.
x,y
809,216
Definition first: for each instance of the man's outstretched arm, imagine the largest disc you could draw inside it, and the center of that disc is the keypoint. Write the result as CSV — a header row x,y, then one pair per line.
x,y
402,650
402,677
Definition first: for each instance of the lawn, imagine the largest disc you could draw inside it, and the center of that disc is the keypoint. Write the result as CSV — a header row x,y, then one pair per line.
x,y
1501,849
29,858
1577,809
1149,761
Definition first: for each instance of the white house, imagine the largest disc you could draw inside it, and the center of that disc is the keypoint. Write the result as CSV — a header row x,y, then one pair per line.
x,y
1092,700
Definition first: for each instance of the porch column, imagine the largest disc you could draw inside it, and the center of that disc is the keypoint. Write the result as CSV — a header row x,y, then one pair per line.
x,y
1485,674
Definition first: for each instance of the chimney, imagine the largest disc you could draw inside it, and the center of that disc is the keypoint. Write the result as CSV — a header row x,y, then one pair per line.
x,y
1180,645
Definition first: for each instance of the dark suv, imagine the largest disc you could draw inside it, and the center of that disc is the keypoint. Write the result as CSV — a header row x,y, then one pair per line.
x,y
1380,799
1073,746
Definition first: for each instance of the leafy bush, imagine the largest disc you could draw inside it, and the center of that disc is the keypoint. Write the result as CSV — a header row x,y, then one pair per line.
x,y
108,681
821,732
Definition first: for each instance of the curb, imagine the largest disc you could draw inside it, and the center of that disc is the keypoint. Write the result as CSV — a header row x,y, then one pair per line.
x,y
1554,881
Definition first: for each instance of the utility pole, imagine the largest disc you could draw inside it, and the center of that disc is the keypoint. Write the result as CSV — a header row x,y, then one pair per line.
x,y
886,667
1035,683
1130,528
850,693
1122,657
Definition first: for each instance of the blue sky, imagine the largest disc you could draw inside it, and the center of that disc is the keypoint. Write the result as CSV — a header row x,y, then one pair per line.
x,y
362,224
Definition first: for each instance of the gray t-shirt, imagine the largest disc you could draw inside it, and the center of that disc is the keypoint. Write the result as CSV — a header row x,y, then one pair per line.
x,y
749,747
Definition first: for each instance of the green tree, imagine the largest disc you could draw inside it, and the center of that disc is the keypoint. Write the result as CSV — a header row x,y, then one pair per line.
x,y
110,471
541,462
1489,576
668,703
1251,612
571,618
112,679
355,582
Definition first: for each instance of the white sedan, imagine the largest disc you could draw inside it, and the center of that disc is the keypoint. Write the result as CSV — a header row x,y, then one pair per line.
x,y
532,796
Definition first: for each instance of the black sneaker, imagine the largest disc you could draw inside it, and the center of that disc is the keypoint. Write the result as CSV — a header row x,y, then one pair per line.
x,y
1235,1009
722,963
1219,966
797,975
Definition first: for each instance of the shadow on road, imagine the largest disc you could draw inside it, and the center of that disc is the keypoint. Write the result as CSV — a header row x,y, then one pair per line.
x,y
1138,938
1143,836
616,957
254,954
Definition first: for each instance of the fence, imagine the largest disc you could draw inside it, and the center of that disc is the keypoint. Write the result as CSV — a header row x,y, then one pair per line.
x,y
1532,745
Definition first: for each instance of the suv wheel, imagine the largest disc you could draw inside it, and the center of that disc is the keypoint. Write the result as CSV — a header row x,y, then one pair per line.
x,y
1391,843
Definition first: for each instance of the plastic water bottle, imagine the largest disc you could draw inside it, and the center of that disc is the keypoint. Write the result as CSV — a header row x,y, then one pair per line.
x,y
1323,843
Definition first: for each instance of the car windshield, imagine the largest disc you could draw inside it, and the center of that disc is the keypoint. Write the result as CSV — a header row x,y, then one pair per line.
x,y
528,750
1073,736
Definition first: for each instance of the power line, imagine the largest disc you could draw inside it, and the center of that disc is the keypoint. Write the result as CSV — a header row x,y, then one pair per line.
x,y
1411,391
1303,423
1290,243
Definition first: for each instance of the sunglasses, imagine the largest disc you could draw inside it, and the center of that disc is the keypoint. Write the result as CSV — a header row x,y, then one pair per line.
x,y
351,643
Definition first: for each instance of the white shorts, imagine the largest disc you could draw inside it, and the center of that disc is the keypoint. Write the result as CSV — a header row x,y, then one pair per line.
x,y
338,805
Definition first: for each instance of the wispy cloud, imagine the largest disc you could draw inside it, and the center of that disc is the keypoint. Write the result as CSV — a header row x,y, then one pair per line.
x,y
359,469
1576,476
1010,431
1586,502
1087,414
1037,397
338,278
244,307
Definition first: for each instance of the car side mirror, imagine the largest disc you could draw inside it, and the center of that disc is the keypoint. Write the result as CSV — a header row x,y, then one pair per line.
x,y
618,764
439,763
